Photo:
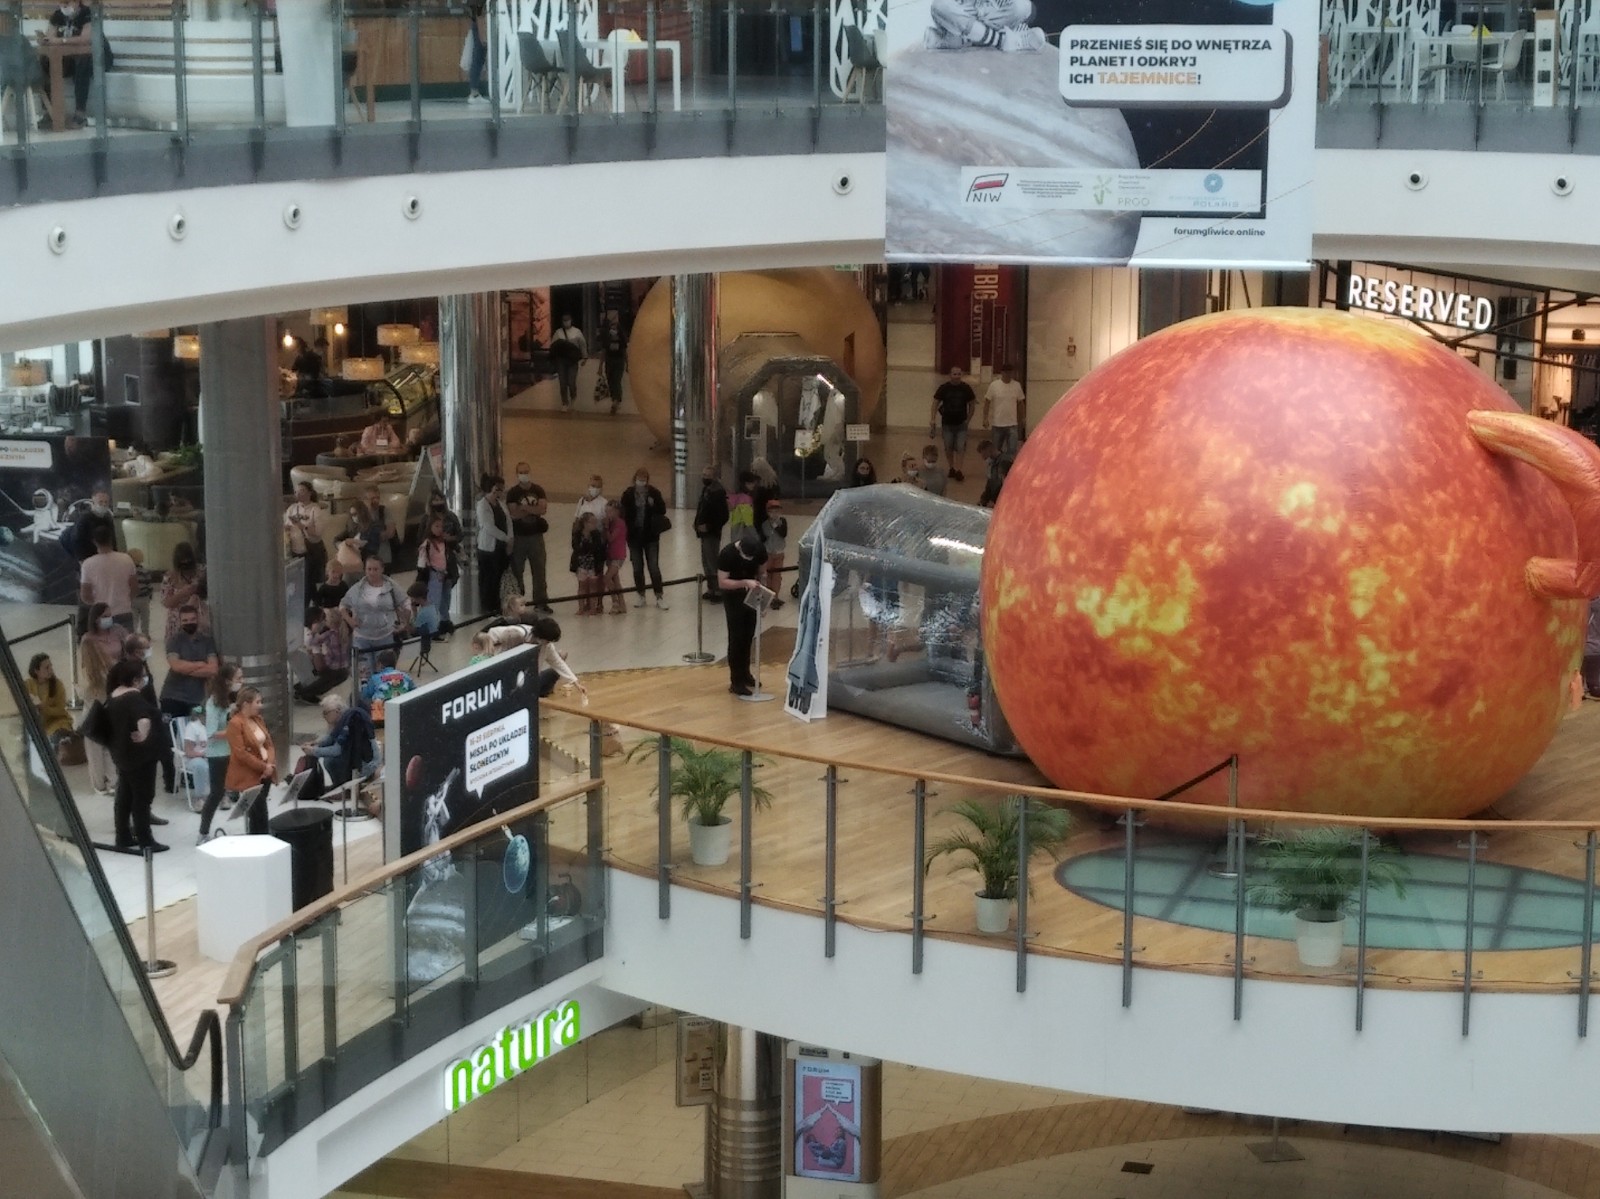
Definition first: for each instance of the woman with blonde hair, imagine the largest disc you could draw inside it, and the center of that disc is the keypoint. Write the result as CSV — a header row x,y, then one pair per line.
x,y
252,759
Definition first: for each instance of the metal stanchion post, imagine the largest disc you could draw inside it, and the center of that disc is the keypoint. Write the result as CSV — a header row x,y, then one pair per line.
x,y
72,653
757,696
699,657
154,967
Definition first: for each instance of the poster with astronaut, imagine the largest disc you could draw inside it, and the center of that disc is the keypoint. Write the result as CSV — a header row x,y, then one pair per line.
x,y
1171,133
463,749
46,484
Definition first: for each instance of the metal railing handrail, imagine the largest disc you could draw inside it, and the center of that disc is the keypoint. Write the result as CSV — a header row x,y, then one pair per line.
x,y
241,974
1117,805
208,1027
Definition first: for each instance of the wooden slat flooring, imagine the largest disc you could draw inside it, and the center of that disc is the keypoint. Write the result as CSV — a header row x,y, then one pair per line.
x,y
405,1179
876,867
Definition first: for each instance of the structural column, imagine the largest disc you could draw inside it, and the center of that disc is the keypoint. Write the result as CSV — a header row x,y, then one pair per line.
x,y
1169,296
694,384
471,387
244,510
744,1146
161,401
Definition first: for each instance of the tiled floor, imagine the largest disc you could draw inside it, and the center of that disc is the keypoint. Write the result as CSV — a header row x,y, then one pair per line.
x,y
953,1137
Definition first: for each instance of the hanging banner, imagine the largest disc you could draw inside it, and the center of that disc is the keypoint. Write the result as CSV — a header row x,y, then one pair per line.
x,y
978,316
1172,133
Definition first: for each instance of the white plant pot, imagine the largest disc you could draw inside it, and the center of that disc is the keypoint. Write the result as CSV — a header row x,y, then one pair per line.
x,y
709,844
1320,941
994,915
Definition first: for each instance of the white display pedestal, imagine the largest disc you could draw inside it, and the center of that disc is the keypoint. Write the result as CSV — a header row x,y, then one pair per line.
x,y
243,887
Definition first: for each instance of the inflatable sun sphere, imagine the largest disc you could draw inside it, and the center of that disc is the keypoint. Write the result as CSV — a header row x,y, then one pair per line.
x,y
1320,541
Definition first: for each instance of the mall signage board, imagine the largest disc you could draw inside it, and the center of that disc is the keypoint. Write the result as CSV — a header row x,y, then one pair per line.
x,y
456,752
515,1048
1434,305
1172,133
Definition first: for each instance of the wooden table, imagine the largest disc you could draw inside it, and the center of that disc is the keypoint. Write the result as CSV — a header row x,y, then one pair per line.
x,y
55,52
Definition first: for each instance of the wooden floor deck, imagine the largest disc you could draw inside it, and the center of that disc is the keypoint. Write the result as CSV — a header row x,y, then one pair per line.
x,y
876,866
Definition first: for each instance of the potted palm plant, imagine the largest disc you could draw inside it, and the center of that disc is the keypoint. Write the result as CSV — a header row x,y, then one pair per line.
x,y
986,843
1314,875
704,779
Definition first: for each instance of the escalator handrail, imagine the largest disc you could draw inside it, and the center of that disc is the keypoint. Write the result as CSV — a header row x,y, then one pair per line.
x,y
209,1026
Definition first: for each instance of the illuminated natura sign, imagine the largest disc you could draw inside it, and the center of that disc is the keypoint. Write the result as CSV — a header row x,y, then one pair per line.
x,y
515,1048
1430,304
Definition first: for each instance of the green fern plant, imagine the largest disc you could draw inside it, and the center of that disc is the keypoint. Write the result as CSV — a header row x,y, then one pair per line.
x,y
1318,871
988,843
703,778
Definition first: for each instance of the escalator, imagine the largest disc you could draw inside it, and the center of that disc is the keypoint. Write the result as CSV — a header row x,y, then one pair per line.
x,y
102,1091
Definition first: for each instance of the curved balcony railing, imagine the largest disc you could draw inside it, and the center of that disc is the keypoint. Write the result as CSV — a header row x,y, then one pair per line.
x,y
1483,905
351,986
344,88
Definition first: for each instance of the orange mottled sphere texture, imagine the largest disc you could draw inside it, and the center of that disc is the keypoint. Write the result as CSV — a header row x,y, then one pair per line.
x,y
1271,533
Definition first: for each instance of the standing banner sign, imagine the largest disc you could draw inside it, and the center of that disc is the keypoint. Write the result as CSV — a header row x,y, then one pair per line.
x,y
1164,133
459,751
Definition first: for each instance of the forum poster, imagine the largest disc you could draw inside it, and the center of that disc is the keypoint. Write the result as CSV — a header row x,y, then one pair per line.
x,y
1162,133
45,484
827,1120
462,750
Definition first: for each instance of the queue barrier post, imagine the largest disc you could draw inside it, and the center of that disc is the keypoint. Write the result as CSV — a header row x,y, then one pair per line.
x,y
154,967
699,657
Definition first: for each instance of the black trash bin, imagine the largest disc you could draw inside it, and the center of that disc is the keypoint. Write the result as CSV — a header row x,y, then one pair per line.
x,y
309,834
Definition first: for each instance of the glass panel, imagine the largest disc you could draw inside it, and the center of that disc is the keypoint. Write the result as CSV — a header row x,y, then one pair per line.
x,y
876,851
364,991
788,842
262,1036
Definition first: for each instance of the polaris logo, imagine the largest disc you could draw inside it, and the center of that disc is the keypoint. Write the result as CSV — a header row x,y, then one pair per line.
x,y
986,189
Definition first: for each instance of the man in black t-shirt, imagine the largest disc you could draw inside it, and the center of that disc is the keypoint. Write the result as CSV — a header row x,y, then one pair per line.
x,y
953,403
739,568
527,506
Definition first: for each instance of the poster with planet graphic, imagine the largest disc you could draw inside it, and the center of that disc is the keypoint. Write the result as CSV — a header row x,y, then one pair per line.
x,y
1087,132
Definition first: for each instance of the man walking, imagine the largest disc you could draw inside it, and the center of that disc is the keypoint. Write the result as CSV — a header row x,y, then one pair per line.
x,y
615,348
527,505
710,518
1005,412
953,403
567,350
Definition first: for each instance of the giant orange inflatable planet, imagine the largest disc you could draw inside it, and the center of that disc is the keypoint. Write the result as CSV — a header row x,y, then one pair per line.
x,y
824,307
1300,536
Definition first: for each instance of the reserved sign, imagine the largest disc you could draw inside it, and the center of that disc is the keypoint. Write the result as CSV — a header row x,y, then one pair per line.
x,y
1390,296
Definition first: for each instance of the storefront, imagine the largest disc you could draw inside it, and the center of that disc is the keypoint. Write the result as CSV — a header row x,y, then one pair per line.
x,y
1541,344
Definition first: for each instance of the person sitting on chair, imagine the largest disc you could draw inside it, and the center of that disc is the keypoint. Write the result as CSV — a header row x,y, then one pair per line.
x,y
347,750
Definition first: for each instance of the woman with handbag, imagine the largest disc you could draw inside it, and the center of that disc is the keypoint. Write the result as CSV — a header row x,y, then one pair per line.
x,y
98,649
437,567
137,750
252,759
645,511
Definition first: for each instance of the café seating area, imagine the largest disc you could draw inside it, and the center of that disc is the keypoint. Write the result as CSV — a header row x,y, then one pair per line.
x,y
1459,51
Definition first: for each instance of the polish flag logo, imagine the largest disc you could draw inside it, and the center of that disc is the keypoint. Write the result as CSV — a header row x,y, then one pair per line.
x,y
986,187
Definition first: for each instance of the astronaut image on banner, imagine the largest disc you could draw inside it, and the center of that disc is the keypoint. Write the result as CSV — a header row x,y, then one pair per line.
x,y
1162,132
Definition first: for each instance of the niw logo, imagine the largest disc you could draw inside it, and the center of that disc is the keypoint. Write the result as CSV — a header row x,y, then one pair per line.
x,y
986,189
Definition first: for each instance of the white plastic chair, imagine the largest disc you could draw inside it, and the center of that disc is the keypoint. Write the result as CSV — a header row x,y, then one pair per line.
x,y
1507,62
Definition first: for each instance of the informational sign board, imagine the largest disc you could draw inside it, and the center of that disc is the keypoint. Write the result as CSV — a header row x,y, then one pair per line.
x,y
1174,133
457,752
697,1059
45,484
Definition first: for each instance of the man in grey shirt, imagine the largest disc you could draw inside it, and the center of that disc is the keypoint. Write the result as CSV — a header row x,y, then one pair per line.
x,y
191,663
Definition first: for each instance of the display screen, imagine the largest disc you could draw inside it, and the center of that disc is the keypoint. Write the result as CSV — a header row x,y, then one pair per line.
x,y
827,1120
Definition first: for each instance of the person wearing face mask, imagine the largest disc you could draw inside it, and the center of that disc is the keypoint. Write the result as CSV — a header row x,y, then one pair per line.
x,y
137,649
710,518
450,534
98,650
645,511
865,474
527,505
191,662
137,746
568,349
220,696
739,569
185,586
593,500
494,541
110,577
